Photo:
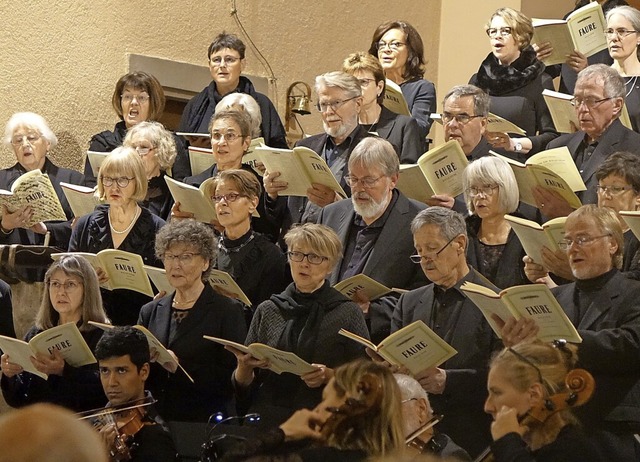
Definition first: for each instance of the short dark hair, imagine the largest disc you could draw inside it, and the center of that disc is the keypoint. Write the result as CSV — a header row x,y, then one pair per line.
x,y
142,81
414,69
122,341
623,164
224,40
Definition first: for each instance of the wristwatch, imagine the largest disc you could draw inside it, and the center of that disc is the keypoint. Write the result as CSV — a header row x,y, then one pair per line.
x,y
517,146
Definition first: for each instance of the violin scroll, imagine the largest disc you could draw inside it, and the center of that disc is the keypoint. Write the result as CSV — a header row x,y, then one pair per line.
x,y
580,387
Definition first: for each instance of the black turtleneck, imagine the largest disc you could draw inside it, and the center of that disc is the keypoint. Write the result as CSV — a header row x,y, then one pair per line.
x,y
588,290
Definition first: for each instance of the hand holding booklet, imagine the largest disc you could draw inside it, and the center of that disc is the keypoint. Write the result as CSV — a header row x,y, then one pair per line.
x,y
530,300
534,237
65,338
415,347
279,361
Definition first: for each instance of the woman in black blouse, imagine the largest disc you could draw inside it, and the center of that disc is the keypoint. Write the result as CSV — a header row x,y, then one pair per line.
x,y
157,149
494,249
120,224
257,265
71,294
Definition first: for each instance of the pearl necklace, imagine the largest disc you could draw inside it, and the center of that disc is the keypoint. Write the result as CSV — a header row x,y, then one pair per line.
x,y
128,228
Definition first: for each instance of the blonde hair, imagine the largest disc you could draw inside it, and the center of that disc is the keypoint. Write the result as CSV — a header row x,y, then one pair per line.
x,y
521,26
124,161
319,238
161,138
607,222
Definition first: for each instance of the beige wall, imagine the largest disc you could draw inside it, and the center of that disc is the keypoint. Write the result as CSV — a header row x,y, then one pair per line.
x,y
62,58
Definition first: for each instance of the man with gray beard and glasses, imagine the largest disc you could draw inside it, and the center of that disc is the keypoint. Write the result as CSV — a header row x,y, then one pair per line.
x,y
374,227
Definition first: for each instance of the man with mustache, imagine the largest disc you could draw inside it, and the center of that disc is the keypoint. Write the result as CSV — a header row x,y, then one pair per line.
x,y
373,226
598,99
457,388
339,103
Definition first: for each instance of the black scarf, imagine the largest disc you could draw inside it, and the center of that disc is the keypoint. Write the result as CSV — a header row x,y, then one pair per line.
x,y
497,79
303,313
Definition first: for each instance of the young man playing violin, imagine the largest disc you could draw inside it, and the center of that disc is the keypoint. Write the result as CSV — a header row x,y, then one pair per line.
x,y
138,433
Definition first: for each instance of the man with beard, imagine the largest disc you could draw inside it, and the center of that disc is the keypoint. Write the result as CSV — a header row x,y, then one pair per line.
x,y
339,103
374,228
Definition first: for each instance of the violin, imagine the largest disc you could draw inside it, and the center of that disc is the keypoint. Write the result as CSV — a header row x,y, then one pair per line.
x,y
421,439
580,386
128,419
368,396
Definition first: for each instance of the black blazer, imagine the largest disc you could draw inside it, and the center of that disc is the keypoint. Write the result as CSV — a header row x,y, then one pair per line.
x,y
403,133
421,99
615,138
207,362
466,386
389,261
610,350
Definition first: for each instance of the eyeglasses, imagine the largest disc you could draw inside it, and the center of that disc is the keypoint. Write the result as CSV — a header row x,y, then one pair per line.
x,y
128,98
486,191
431,255
462,119
31,138
589,101
580,241
393,45
144,150
219,60
121,181
229,137
231,197
613,190
183,258
69,286
367,182
334,105
493,32
365,82
622,33
311,257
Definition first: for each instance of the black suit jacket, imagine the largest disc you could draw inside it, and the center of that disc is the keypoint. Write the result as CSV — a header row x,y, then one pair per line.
x,y
403,133
466,386
610,350
207,362
389,261
615,138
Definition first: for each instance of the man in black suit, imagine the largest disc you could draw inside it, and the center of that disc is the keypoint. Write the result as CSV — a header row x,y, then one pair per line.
x,y
339,102
598,99
374,227
458,387
604,306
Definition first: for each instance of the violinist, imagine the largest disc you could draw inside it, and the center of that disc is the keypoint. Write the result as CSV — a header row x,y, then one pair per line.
x,y
123,359
522,379
418,416
357,419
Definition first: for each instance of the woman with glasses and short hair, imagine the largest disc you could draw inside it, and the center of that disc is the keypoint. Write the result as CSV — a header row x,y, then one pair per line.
x,y
156,147
304,319
71,294
31,139
255,263
137,97
180,319
226,63
399,48
401,131
514,78
121,223
491,191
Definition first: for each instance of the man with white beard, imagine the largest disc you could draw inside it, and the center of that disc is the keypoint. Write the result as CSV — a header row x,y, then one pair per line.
x,y
374,228
339,103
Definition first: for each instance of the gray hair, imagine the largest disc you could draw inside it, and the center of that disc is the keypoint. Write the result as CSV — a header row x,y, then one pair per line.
x,y
190,233
490,170
612,82
410,388
248,105
450,223
373,151
481,101
628,12
32,120
346,82
161,138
